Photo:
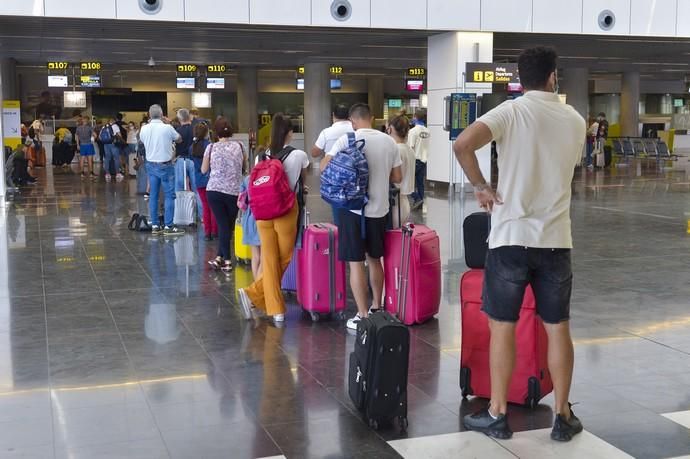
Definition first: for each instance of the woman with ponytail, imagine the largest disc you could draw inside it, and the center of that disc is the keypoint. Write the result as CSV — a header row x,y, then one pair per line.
x,y
225,159
278,235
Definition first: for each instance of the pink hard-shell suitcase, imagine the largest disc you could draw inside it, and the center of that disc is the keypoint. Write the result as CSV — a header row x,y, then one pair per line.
x,y
321,285
412,270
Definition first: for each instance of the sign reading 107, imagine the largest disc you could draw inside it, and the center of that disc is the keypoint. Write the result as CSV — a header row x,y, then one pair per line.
x,y
58,65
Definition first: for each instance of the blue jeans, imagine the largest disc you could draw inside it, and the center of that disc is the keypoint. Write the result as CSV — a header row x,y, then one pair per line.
x,y
161,175
179,180
419,177
590,149
112,153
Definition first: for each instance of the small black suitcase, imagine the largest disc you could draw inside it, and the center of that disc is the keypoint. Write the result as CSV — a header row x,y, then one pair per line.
x,y
475,231
378,370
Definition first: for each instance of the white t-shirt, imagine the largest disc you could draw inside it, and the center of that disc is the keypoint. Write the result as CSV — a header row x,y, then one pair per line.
x,y
293,165
382,156
132,135
331,134
408,169
418,139
158,139
539,141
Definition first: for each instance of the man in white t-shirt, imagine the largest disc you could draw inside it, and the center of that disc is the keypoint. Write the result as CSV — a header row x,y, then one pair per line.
x,y
158,137
385,164
418,140
540,140
341,126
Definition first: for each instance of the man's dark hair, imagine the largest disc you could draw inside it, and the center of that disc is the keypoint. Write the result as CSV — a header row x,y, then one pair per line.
x,y
602,114
119,116
341,112
360,112
536,66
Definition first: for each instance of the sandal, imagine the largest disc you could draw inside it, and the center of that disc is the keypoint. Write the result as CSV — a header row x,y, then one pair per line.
x,y
216,263
227,267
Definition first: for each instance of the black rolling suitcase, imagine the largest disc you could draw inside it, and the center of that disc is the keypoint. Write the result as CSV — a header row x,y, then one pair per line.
x,y
378,370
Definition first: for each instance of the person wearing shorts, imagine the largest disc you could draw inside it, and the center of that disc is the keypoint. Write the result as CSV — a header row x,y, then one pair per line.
x,y
541,141
85,137
384,162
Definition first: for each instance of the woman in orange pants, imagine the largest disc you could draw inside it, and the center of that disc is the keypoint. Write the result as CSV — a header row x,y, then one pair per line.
x,y
278,235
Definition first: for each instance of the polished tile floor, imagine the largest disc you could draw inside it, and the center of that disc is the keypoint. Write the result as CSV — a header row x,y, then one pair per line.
x,y
118,344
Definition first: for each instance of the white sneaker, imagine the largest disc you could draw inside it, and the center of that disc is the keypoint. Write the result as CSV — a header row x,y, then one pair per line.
x,y
279,318
119,177
373,310
352,323
108,177
246,304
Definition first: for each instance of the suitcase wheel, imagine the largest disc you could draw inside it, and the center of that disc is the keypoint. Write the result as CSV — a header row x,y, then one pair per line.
x,y
315,316
374,424
340,315
402,422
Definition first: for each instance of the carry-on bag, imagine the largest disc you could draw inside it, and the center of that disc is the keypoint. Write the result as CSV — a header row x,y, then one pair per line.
x,y
531,380
377,381
289,281
412,272
132,164
243,253
321,280
185,204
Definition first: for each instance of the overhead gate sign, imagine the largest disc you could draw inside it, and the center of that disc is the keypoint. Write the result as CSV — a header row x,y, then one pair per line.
x,y
481,72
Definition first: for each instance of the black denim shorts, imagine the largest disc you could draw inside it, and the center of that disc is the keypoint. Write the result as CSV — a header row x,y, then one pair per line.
x,y
351,246
510,269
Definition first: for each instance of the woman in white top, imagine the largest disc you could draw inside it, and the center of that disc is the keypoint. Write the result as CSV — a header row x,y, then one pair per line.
x,y
398,128
278,235
132,136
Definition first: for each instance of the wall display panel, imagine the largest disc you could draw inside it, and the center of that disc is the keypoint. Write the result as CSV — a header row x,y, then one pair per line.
x,y
653,17
557,16
443,15
398,14
280,12
507,15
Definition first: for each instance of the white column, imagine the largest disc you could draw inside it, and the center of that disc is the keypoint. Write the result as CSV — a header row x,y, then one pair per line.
x,y
247,99
317,102
3,185
448,53
630,104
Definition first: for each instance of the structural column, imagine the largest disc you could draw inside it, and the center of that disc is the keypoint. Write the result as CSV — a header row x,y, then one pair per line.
x,y
375,88
630,104
575,85
247,99
448,53
317,101
3,185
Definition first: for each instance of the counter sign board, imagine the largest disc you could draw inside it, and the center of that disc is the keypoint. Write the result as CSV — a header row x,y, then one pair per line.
x,y
57,65
480,72
90,65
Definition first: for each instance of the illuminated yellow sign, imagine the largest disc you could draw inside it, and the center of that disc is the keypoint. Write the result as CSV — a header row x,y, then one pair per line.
x,y
336,70
491,73
90,65
300,70
213,68
58,65
186,67
416,72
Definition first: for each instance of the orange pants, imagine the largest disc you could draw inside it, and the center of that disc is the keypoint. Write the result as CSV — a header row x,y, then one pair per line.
x,y
277,245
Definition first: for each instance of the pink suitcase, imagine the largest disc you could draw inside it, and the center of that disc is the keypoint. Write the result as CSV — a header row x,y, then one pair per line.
x,y
412,270
321,285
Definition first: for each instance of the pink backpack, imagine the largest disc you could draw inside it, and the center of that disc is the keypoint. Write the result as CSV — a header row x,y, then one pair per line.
x,y
270,194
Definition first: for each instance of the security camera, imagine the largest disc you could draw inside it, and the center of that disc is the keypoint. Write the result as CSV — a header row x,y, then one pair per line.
x,y
607,20
341,10
150,6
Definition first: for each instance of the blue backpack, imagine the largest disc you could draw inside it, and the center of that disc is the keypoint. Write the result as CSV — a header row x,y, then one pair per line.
x,y
106,134
345,181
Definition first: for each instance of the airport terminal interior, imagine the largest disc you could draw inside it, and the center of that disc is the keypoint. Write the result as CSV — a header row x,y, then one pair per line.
x,y
124,344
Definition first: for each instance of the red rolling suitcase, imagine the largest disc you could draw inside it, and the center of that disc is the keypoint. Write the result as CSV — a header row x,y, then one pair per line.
x,y
321,285
531,380
412,270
